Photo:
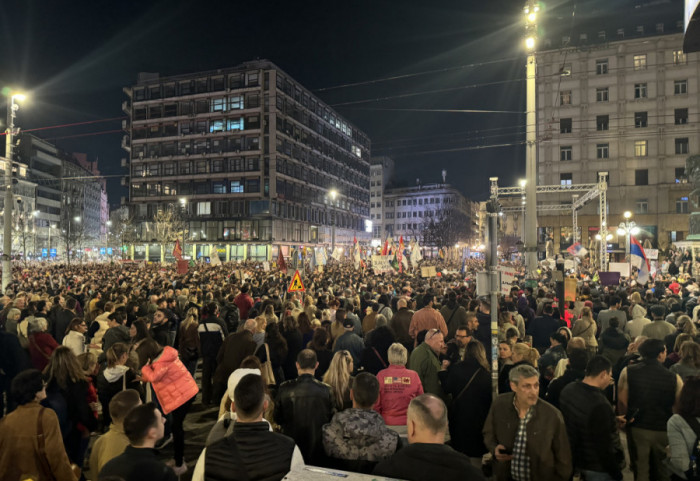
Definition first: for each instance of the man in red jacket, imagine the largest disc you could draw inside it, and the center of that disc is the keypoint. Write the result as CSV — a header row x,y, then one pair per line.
x,y
244,302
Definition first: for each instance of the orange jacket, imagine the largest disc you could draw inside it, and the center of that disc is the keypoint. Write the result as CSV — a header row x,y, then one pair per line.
x,y
171,381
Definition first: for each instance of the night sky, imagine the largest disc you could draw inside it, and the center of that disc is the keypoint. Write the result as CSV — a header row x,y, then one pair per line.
x,y
75,57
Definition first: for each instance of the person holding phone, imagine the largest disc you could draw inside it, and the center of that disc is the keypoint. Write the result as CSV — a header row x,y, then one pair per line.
x,y
527,435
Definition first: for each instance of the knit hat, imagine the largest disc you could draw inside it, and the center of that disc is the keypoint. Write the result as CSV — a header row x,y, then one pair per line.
x,y
236,376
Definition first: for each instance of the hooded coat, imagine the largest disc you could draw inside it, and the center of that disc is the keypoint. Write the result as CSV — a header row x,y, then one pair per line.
x,y
172,382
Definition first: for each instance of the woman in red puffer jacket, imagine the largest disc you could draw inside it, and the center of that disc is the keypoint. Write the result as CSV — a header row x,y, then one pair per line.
x,y
175,389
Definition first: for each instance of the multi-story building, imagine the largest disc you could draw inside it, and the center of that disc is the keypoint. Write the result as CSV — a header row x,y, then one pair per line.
x,y
624,100
44,166
82,191
381,170
250,155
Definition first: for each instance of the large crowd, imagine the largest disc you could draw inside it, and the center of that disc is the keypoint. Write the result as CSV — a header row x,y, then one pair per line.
x,y
391,374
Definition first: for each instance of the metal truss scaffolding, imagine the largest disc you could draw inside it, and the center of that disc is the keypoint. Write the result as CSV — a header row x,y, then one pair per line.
x,y
589,193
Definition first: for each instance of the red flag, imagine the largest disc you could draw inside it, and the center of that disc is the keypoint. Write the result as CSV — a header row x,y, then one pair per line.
x,y
280,261
385,249
177,250
399,255
354,239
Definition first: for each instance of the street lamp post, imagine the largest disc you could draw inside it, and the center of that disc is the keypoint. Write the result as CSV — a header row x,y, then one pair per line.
x,y
531,10
628,228
51,227
333,193
12,108
183,205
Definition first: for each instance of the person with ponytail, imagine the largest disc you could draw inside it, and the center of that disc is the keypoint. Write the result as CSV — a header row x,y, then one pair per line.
x,y
522,354
115,378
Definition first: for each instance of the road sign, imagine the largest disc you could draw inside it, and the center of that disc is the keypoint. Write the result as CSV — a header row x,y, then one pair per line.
x,y
52,252
296,284
103,251
44,252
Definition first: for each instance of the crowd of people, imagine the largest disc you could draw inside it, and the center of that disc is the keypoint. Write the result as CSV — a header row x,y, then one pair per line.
x,y
100,365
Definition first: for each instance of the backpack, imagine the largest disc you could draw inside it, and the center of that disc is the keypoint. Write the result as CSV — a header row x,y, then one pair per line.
x,y
231,316
693,471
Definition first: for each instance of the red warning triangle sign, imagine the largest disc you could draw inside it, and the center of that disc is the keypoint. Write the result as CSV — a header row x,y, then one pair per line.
x,y
296,284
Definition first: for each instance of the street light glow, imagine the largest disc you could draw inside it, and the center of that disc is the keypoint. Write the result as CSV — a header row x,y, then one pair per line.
x,y
627,214
621,231
333,193
76,218
530,43
523,182
532,17
635,230
20,97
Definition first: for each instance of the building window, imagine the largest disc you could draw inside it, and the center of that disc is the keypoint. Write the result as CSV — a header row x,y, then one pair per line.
x,y
621,33
679,57
640,91
565,97
680,87
640,148
565,126
640,62
565,152
659,28
641,177
680,175
219,186
602,151
601,35
682,146
602,122
641,207
601,95
680,116
640,120
565,179
236,187
203,208
601,66
682,205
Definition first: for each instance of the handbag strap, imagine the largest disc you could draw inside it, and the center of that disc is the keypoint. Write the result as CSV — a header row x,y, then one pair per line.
x,y
41,441
453,313
380,358
468,384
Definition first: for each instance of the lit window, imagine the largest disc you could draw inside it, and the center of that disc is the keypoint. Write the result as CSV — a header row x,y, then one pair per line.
x,y
565,97
679,57
203,208
236,187
234,124
640,148
566,179
682,205
640,62
235,102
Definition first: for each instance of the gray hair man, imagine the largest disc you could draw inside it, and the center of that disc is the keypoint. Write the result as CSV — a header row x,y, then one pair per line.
x,y
526,434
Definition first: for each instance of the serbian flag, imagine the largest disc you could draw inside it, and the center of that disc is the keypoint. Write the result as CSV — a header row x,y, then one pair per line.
x,y
177,250
577,250
399,255
280,261
639,257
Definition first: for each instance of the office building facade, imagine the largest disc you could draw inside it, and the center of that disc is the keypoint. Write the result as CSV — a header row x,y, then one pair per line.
x,y
248,157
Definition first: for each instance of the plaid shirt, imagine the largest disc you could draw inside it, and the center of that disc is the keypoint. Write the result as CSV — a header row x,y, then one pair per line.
x,y
520,465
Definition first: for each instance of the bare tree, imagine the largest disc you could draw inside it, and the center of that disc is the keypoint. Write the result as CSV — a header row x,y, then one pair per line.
x,y
23,235
446,227
122,232
169,226
72,234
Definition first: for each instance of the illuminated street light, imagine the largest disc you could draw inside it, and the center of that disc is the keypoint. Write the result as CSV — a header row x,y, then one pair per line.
x,y
530,43
12,107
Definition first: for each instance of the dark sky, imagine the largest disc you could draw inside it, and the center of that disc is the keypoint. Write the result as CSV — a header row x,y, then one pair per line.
x,y
75,56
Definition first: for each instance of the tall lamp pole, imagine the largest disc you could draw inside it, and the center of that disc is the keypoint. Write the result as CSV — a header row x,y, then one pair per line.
x,y
12,108
333,193
628,228
531,11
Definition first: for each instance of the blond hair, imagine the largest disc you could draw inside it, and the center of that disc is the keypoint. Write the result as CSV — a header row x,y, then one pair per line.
x,y
529,354
338,376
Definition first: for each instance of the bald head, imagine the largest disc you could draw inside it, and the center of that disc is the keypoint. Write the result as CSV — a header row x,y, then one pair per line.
x,y
250,325
427,420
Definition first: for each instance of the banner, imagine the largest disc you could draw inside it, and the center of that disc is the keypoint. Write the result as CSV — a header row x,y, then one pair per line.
x,y
507,279
382,264
652,254
622,267
428,271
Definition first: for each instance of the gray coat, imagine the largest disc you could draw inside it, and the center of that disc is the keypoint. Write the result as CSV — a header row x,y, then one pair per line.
x,y
359,434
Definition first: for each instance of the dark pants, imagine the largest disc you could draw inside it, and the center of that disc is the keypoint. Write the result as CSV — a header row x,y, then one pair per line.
x,y
179,432
208,368
191,366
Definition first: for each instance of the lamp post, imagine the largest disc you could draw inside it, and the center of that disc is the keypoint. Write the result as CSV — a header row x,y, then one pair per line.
x,y
12,108
51,227
183,205
333,193
530,189
628,228
70,240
